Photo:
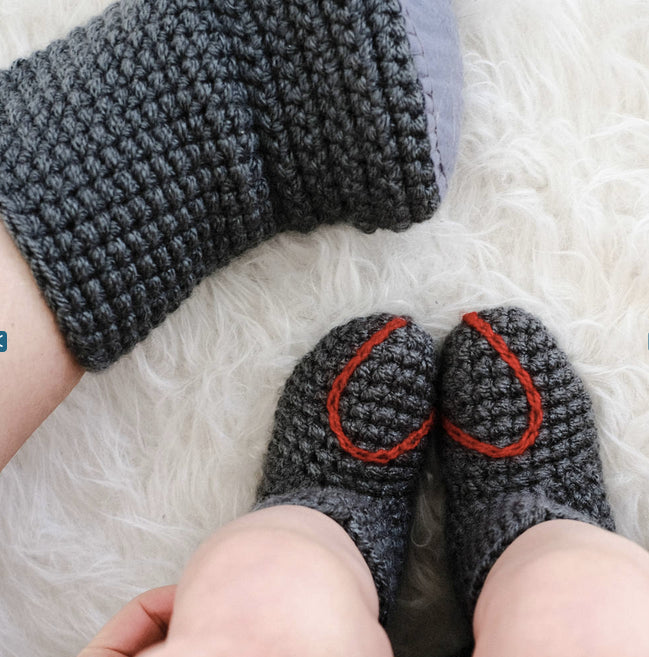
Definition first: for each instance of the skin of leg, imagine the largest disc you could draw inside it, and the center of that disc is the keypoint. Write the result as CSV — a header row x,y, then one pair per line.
x,y
565,588
281,582
37,371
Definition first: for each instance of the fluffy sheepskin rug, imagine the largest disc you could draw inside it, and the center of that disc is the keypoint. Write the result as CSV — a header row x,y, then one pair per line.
x,y
548,209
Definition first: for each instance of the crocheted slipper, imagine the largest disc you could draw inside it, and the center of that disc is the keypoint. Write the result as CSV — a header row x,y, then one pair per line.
x,y
350,437
519,444
165,138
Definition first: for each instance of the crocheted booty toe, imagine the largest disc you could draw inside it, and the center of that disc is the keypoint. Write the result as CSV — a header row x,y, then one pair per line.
x,y
350,434
165,138
518,445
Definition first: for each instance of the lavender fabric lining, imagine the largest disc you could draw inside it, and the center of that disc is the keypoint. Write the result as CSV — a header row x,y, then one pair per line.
x,y
434,43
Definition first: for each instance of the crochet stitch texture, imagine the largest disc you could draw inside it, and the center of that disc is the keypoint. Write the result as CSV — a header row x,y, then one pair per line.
x,y
358,462
519,444
165,138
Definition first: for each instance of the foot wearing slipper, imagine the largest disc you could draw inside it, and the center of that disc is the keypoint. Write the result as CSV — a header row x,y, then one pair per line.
x,y
518,444
350,436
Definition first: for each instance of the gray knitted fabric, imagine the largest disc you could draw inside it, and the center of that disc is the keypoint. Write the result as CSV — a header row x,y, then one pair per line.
x,y
165,138
383,369
515,392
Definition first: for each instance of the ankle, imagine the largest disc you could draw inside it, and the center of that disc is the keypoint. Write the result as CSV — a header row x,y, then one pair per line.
x,y
280,577
565,587
302,527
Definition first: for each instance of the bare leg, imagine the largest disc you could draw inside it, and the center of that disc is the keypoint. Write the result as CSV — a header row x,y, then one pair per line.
x,y
565,588
282,581
37,371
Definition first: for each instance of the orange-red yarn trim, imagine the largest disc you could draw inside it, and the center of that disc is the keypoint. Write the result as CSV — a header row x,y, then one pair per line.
x,y
531,393
333,404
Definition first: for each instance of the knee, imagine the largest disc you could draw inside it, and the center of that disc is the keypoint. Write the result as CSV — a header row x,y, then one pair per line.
x,y
278,592
577,599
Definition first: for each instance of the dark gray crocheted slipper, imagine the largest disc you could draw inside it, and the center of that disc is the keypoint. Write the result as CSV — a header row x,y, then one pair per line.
x,y
350,437
519,444
165,138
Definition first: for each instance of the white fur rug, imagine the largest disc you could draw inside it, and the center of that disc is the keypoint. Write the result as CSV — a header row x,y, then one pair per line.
x,y
548,209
